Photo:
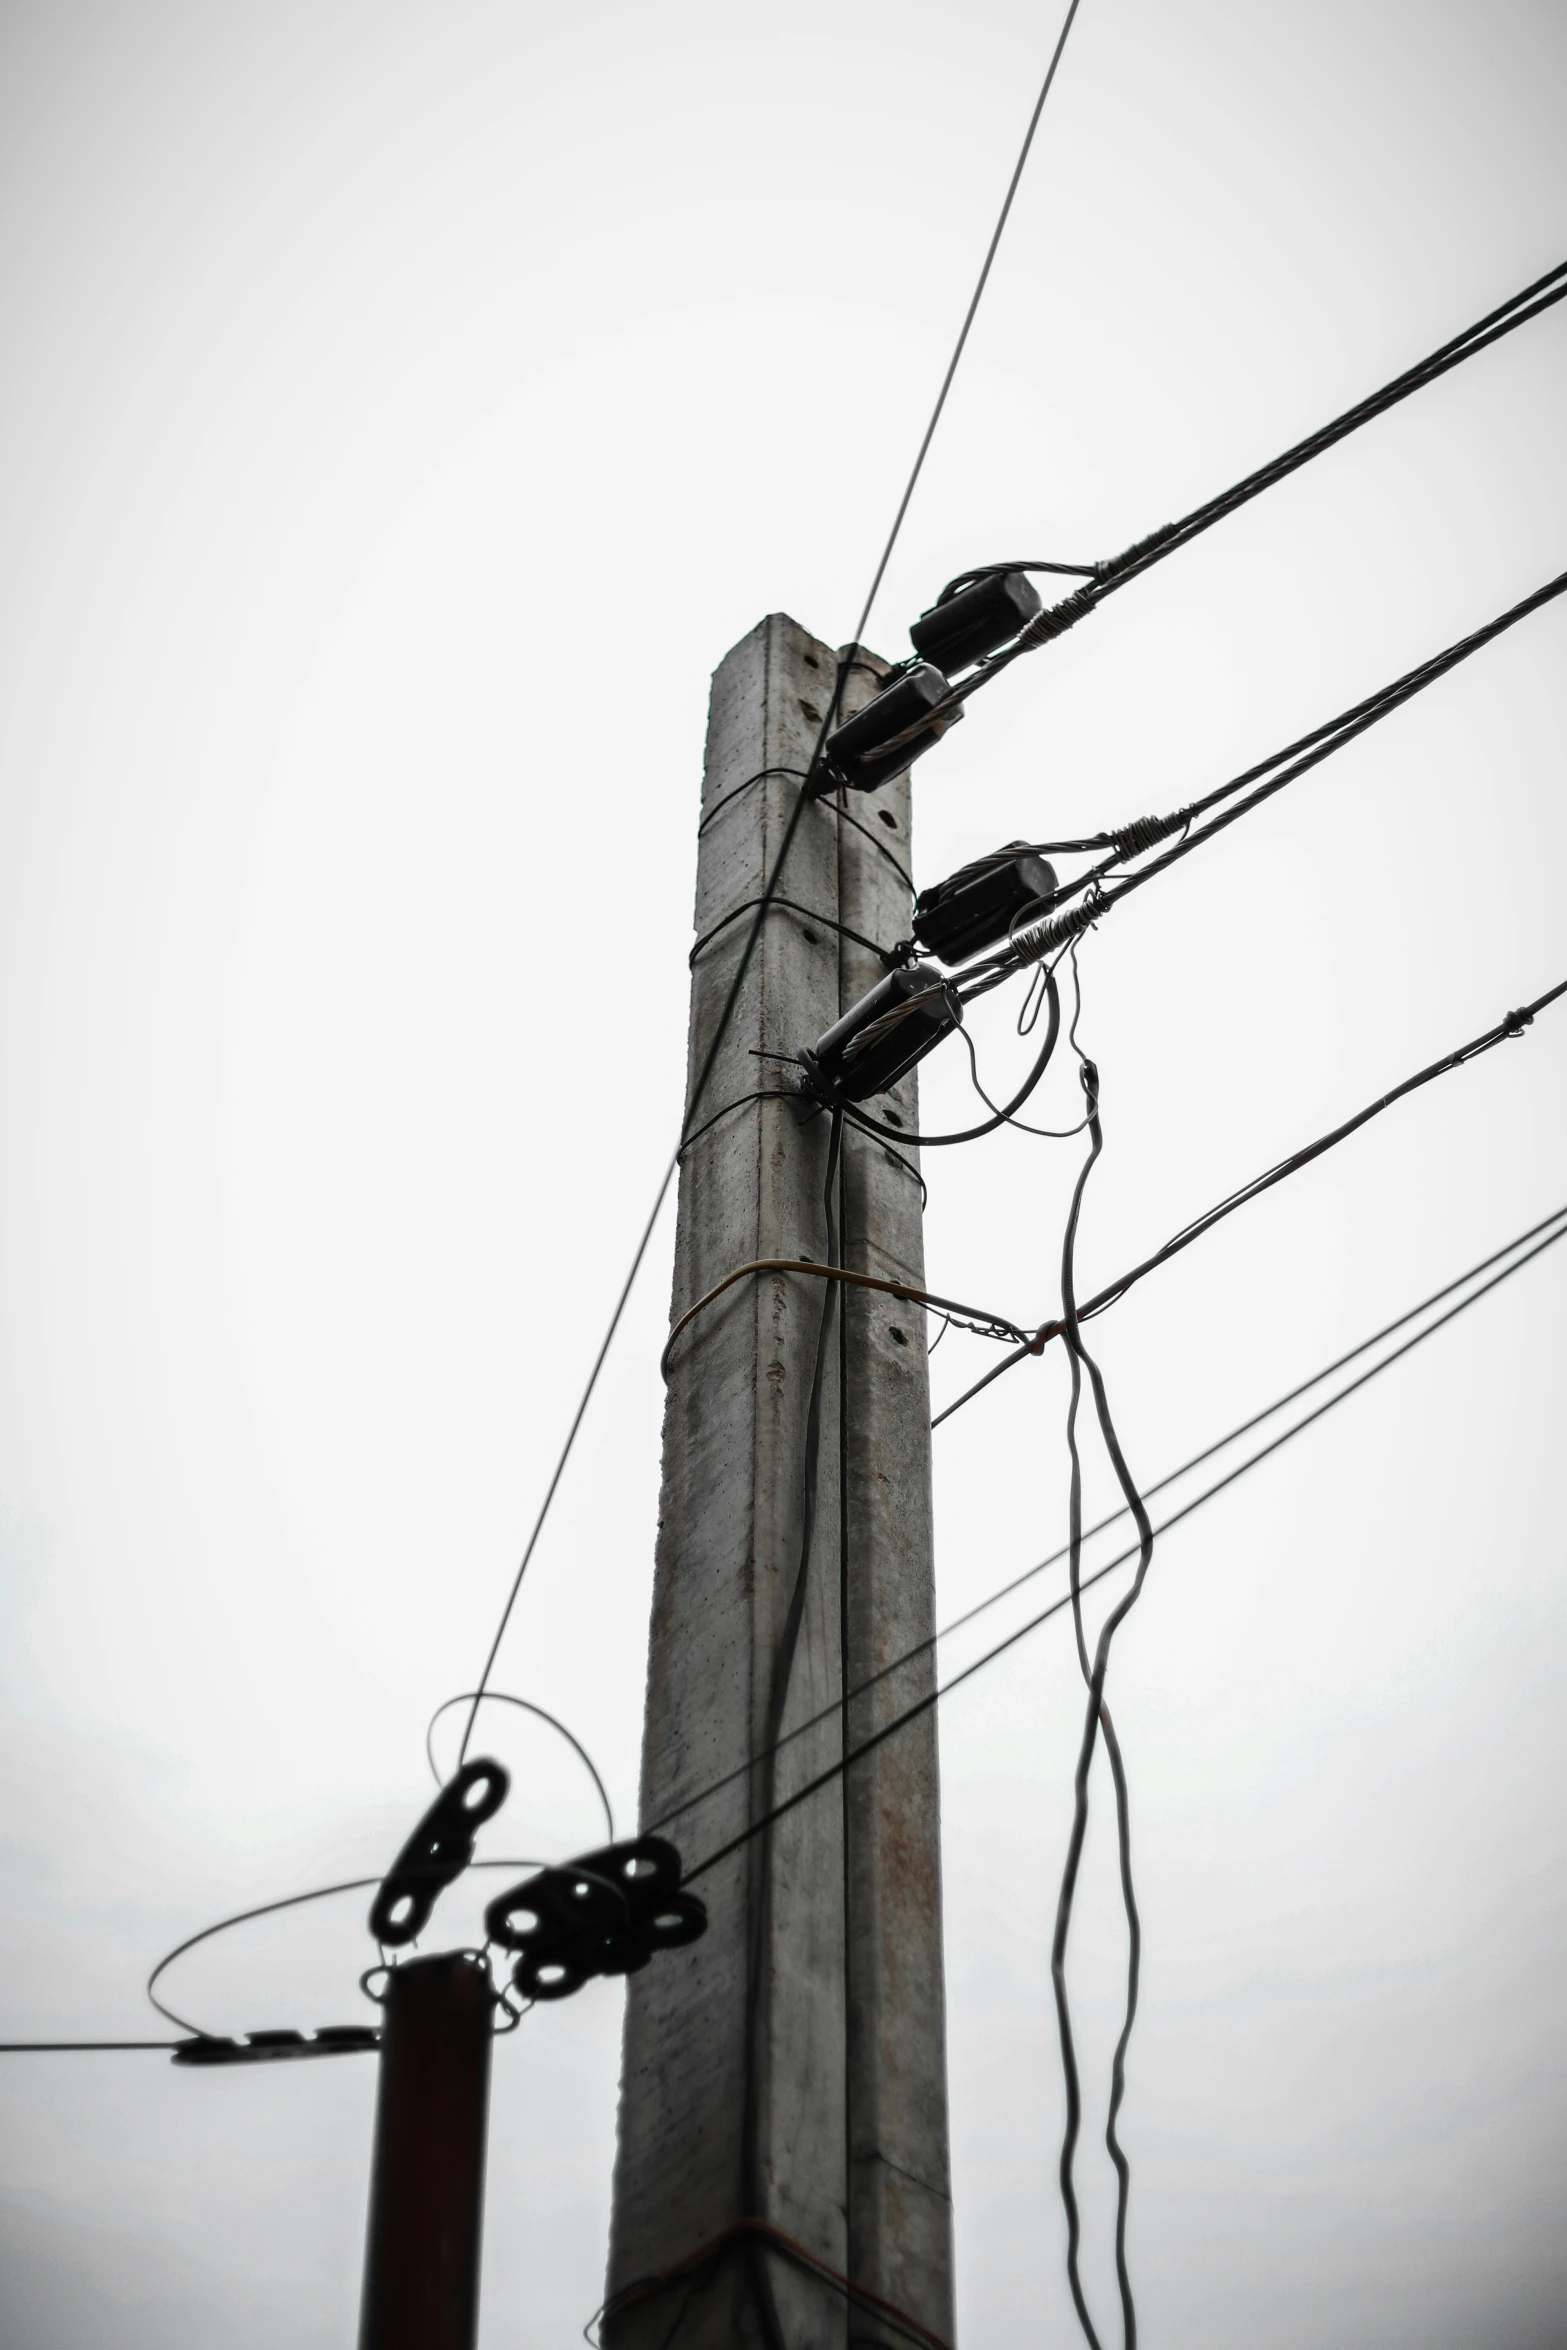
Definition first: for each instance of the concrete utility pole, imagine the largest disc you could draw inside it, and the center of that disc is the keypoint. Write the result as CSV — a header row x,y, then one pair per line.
x,y
790,2068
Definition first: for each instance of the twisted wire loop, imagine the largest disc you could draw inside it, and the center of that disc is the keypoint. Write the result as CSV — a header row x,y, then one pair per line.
x,y
762,2233
1115,565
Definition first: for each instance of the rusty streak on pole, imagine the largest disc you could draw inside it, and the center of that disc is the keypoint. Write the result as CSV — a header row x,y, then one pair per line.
x,y
421,2288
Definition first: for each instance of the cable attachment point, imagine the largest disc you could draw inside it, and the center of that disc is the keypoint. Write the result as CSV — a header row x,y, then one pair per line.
x,y
1056,619
1146,832
1117,564
437,1852
1516,1022
605,1914
1037,939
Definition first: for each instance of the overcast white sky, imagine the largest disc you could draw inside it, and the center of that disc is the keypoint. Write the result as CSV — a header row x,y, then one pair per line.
x,y
404,409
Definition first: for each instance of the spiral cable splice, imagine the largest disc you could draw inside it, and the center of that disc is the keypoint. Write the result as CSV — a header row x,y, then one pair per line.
x,y
1114,565
1146,832
1037,939
1055,620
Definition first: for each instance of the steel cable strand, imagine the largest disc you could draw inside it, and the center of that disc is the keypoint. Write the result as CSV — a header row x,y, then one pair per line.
x,y
1104,578
752,2186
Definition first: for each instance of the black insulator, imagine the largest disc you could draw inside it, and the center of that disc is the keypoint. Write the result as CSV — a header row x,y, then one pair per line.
x,y
273,2047
975,621
878,1042
973,909
851,749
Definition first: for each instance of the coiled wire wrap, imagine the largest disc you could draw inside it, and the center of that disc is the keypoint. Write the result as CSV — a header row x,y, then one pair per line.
x,y
1114,565
1054,620
1038,939
1146,832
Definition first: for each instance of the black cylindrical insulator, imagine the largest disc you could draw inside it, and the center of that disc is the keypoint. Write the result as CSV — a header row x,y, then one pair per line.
x,y
421,2288
850,748
962,916
887,1031
975,621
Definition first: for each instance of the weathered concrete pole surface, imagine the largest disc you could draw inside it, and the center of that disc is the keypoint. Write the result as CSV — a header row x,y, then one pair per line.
x,y
789,2068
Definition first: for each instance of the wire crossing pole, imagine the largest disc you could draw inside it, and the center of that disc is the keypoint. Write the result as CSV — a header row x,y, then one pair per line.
x,y
785,2077
421,2288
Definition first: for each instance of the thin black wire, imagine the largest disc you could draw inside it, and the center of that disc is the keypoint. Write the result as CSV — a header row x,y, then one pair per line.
x,y
1512,1025
790,906
1173,1476
767,1093
527,1706
969,314
1264,1452
243,1917
1098,1719
77,2047
777,1699
737,980
869,1125
740,789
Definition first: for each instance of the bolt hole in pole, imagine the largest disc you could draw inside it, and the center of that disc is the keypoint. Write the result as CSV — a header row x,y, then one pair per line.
x,y
421,2288
888,819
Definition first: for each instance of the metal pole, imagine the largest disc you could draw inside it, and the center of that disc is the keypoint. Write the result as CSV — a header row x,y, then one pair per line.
x,y
785,2077
421,2288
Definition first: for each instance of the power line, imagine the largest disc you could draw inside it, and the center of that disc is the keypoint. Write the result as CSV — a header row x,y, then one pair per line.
x,y
1511,1025
1102,579
771,889
1171,1477
969,314
934,1697
1553,1227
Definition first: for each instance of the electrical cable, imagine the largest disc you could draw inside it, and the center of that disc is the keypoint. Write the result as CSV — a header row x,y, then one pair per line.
x,y
1510,1026
1342,730
869,1125
973,1317
1219,1444
969,314
757,1977
243,1917
884,955
1553,1226
1055,927
803,800
527,1706
1264,1452
1098,1719
1102,579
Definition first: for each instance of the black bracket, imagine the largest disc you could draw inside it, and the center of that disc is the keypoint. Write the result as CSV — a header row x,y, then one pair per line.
x,y
605,1914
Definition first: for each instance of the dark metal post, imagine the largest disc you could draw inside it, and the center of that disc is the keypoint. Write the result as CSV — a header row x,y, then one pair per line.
x,y
421,2289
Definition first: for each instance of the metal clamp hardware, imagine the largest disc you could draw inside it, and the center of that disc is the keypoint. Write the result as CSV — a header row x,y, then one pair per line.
x,y
439,1849
605,1914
